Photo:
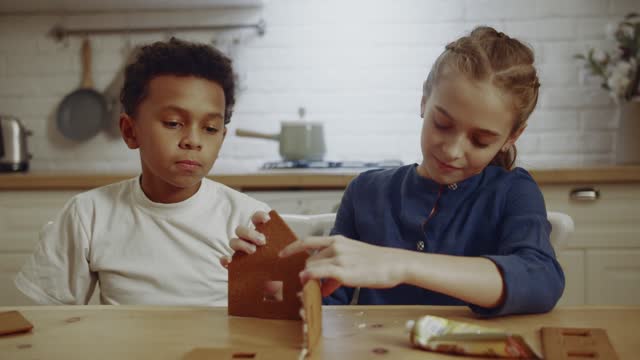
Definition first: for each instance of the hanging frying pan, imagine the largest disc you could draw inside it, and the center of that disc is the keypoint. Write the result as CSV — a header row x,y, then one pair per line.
x,y
83,113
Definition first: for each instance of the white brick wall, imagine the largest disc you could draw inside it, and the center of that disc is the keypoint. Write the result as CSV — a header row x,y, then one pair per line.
x,y
356,65
598,119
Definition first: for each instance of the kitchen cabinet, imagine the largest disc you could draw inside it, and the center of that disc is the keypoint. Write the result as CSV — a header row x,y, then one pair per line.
x,y
606,215
615,275
601,259
10,264
573,265
22,215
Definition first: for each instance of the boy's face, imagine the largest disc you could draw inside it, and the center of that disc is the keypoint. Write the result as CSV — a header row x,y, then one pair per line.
x,y
179,129
465,124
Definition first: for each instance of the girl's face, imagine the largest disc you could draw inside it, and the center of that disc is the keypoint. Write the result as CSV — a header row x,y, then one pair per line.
x,y
465,124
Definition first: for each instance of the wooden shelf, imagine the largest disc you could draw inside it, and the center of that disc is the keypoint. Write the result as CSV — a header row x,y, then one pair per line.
x,y
300,181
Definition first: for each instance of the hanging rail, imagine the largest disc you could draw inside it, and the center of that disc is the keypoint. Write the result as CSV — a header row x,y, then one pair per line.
x,y
59,32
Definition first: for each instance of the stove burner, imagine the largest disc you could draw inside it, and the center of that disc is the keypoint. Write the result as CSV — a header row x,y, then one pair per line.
x,y
309,164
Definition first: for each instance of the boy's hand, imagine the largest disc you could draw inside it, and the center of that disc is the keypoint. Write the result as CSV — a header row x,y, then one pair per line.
x,y
247,238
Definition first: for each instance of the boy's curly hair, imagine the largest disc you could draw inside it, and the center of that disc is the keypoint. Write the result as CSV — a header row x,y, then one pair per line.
x,y
181,58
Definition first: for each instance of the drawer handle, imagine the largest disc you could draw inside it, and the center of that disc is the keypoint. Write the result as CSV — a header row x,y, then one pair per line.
x,y
584,194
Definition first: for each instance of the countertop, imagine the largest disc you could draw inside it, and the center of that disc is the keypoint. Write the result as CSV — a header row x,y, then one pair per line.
x,y
349,332
301,179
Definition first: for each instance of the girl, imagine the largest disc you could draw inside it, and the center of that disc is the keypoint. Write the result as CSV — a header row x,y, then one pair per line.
x,y
462,227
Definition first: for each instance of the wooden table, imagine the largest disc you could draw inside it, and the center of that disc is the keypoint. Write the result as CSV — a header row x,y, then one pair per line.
x,y
350,332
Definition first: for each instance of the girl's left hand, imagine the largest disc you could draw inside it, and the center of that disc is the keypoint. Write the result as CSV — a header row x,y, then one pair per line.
x,y
343,261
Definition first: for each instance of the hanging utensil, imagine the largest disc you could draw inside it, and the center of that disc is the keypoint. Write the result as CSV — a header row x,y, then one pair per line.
x,y
83,113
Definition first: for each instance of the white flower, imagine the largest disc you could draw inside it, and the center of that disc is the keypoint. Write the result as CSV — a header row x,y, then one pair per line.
x,y
623,68
618,81
627,30
619,68
599,55
619,77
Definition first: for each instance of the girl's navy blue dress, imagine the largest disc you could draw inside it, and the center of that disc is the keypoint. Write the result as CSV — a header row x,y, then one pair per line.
x,y
497,214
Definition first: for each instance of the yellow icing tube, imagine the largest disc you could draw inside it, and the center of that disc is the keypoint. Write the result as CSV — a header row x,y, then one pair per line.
x,y
453,337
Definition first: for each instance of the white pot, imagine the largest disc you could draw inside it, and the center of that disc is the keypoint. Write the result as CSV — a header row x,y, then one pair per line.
x,y
628,136
298,140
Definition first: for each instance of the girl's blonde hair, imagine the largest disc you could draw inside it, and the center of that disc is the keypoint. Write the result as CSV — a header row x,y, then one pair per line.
x,y
506,63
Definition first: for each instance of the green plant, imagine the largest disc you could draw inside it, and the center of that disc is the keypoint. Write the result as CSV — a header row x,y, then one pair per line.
x,y
619,69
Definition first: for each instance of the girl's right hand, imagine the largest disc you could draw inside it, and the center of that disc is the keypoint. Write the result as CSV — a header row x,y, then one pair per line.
x,y
247,238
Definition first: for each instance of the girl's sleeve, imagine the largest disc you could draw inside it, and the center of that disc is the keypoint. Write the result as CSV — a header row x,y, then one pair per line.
x,y
345,226
58,272
533,279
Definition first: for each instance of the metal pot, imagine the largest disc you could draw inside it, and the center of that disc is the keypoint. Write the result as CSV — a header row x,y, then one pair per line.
x,y
298,140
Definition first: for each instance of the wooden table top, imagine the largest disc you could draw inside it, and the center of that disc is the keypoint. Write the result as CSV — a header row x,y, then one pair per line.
x,y
349,332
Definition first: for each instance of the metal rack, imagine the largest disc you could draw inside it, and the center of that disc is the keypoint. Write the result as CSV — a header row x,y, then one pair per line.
x,y
60,33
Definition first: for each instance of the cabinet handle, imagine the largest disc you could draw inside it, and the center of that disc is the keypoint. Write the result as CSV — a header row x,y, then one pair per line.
x,y
584,194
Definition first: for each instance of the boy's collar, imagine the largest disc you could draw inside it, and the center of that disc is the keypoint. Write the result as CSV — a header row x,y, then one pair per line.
x,y
143,199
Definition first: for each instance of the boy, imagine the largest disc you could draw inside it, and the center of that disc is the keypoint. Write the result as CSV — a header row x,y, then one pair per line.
x,y
157,238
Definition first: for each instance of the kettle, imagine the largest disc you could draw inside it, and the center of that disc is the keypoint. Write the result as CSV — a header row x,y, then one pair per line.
x,y
13,145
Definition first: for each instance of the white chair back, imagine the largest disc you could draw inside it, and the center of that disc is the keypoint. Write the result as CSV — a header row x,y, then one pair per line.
x,y
310,225
561,227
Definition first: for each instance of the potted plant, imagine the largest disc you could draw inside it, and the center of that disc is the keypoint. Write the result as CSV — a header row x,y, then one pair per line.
x,y
619,71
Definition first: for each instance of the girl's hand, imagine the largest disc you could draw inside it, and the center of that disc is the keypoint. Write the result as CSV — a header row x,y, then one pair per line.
x,y
343,261
247,238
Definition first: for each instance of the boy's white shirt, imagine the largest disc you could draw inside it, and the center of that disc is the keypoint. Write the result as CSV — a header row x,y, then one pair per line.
x,y
141,252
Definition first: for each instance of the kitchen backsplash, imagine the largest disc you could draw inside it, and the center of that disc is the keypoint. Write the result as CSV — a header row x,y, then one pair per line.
x,y
355,65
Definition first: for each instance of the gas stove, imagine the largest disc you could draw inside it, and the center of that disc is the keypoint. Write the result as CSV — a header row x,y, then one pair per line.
x,y
308,164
